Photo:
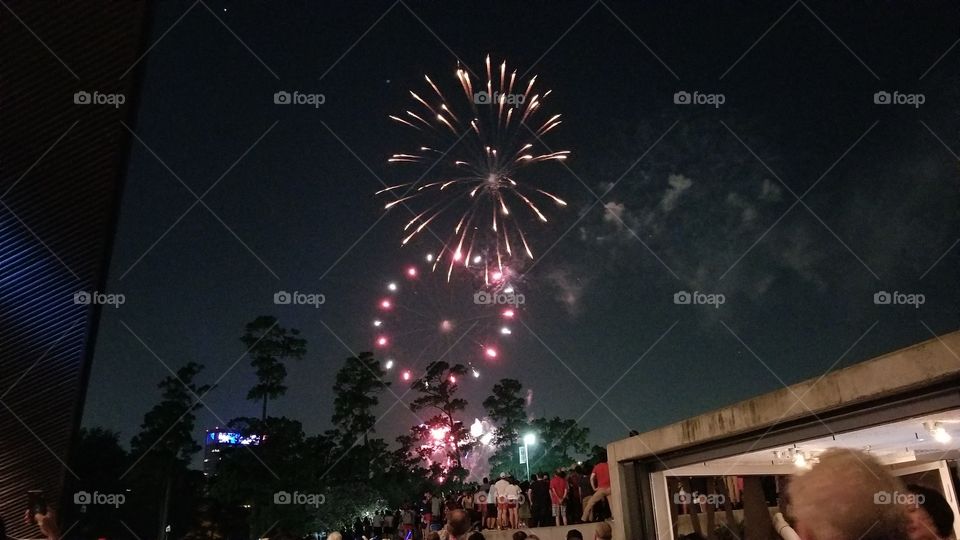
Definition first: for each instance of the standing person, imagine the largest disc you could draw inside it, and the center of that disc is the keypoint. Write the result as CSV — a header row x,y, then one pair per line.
x,y
574,501
398,520
426,516
540,499
453,503
406,520
514,494
500,489
524,511
558,497
492,508
481,500
377,524
436,513
468,502
586,491
388,524
600,482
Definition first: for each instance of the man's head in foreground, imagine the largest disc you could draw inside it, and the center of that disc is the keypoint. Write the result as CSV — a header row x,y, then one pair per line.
x,y
848,495
459,523
603,531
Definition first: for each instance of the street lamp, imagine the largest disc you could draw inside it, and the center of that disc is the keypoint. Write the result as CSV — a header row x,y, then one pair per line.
x,y
528,440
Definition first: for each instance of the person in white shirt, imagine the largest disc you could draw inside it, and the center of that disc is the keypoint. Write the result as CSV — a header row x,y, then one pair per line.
x,y
513,494
499,493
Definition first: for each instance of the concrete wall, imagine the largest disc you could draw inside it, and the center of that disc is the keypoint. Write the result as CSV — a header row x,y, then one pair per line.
x,y
911,368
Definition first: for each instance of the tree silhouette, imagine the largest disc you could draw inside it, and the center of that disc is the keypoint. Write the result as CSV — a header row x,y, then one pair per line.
x,y
163,447
559,442
438,388
356,390
505,407
270,345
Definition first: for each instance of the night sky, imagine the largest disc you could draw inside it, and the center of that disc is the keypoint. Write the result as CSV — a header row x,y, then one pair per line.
x,y
691,197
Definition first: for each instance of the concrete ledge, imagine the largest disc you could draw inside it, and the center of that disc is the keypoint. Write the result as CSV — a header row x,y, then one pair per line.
x,y
913,367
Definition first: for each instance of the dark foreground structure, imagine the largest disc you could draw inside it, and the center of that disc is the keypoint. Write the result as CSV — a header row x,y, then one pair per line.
x,y
63,156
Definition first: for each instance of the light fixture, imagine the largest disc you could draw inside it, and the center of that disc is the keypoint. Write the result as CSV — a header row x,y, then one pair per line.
x,y
938,432
529,439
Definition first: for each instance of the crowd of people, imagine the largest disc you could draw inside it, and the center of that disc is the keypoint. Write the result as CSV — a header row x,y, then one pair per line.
x,y
460,527
848,495
569,496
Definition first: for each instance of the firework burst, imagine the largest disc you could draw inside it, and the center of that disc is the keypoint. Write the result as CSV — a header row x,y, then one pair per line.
x,y
477,144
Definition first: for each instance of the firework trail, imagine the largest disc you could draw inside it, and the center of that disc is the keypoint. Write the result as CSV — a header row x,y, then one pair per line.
x,y
419,318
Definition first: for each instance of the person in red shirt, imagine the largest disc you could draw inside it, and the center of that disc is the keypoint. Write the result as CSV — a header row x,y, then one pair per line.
x,y
558,496
600,480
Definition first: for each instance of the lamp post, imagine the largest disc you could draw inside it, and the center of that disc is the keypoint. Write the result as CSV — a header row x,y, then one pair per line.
x,y
528,440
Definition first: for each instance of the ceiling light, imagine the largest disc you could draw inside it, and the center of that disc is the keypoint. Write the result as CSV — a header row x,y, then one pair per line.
x,y
938,432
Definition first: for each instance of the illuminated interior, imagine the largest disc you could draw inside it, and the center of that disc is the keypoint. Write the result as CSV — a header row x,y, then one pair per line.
x,y
921,450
